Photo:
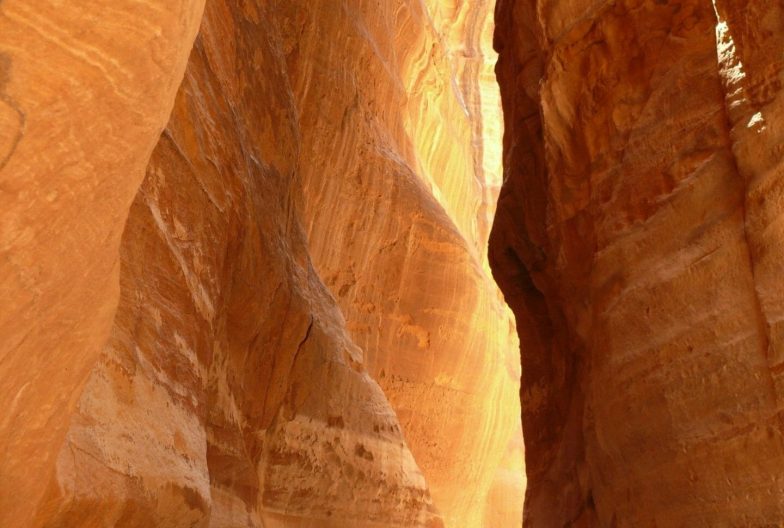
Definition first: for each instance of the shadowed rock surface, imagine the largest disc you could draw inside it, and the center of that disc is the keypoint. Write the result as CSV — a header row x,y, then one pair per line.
x,y
638,241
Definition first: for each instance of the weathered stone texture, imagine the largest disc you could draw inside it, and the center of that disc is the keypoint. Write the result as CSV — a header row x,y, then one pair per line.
x,y
637,242
322,183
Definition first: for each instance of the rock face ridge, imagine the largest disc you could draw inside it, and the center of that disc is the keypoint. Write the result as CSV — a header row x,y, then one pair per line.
x,y
221,384
638,241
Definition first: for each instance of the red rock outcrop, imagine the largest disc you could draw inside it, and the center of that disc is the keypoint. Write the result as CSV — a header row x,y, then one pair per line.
x,y
220,385
638,243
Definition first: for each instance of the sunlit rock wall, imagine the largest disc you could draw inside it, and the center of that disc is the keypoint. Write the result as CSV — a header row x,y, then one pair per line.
x,y
229,394
638,240
395,196
222,385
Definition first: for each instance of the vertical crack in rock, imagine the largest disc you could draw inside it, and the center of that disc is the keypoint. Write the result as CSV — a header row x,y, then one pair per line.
x,y
302,343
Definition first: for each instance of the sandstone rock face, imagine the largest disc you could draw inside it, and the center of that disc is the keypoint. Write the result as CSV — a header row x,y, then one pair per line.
x,y
396,205
638,241
243,402
504,504
221,384
77,126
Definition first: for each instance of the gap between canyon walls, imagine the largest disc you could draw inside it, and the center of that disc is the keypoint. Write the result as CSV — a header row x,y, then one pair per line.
x,y
341,144
637,240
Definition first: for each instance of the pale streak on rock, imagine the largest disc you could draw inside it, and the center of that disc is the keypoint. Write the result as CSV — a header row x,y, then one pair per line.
x,y
199,294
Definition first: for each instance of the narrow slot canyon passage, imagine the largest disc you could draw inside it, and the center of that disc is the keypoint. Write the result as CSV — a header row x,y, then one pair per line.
x,y
255,260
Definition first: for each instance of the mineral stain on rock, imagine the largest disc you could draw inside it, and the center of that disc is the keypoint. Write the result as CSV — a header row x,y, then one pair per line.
x,y
5,70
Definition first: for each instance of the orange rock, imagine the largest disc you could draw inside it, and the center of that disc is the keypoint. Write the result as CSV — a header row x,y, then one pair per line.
x,y
83,100
220,385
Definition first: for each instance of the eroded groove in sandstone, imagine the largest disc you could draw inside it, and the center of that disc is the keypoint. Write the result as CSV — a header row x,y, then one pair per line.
x,y
637,242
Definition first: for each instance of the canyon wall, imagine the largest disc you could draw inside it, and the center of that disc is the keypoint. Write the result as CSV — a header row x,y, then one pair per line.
x,y
298,326
638,240
77,126
395,199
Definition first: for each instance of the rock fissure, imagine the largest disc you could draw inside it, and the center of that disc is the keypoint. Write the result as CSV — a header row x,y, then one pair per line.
x,y
302,343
